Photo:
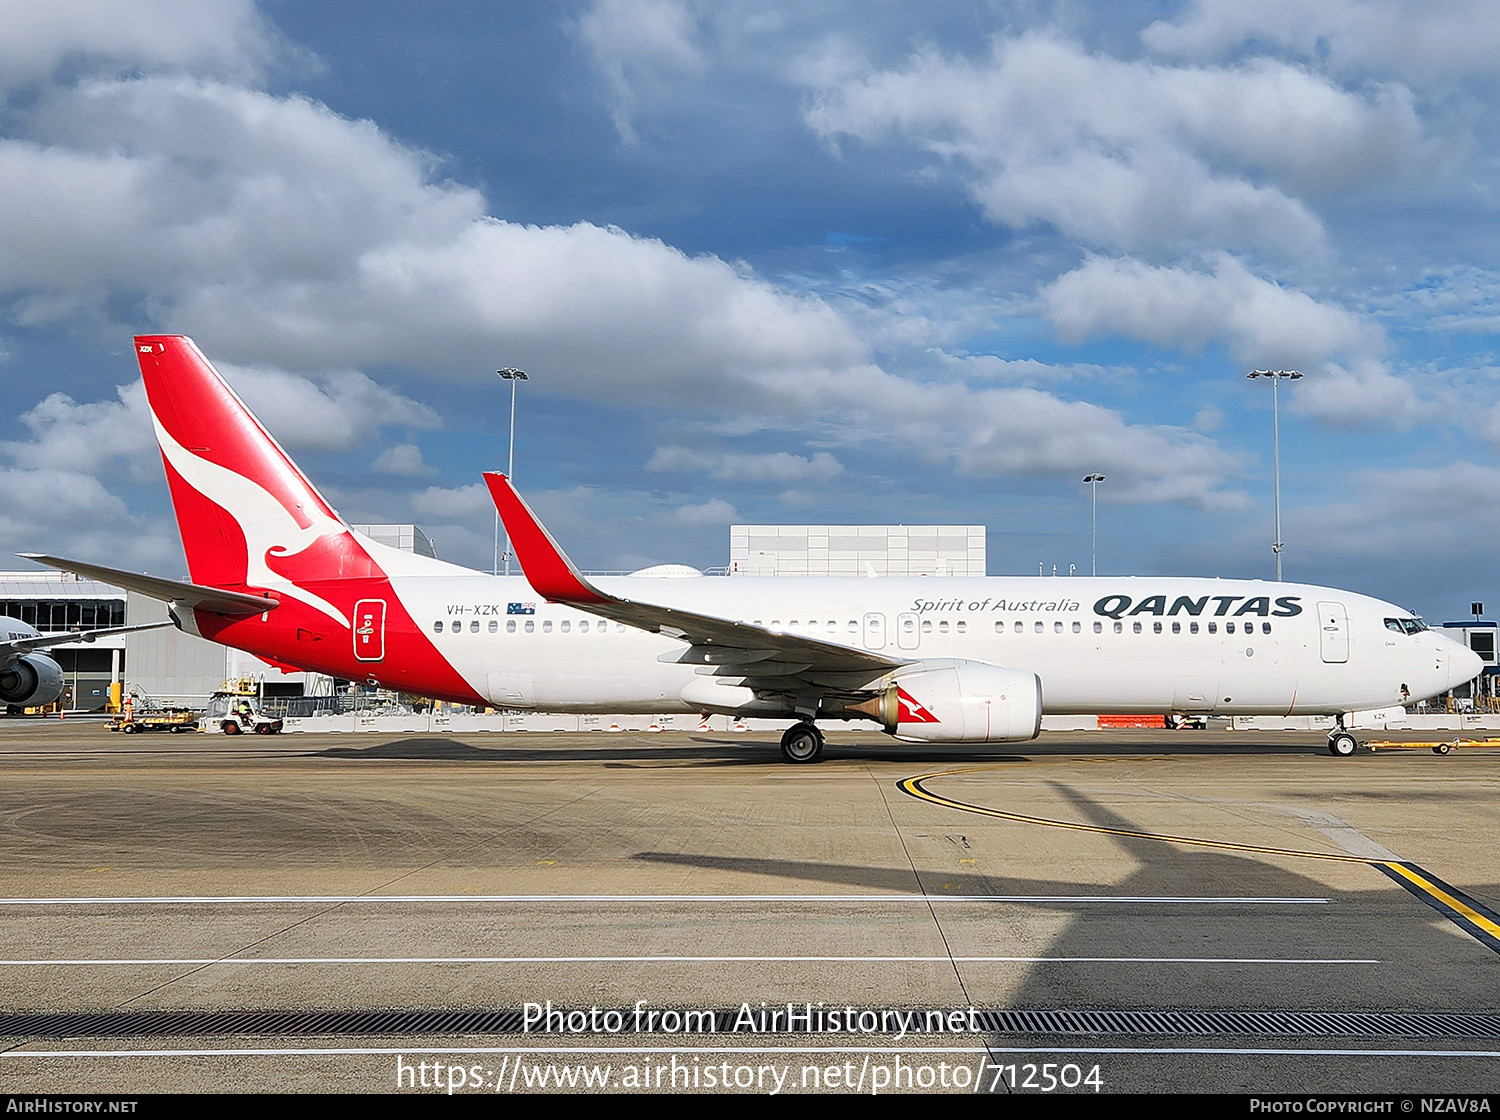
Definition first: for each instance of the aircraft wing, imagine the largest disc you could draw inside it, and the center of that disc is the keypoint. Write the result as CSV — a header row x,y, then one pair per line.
x,y
234,604
20,647
727,648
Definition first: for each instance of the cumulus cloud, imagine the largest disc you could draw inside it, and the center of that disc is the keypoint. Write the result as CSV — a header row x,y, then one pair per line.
x,y
1262,322
287,238
93,437
71,512
338,410
227,37
456,502
715,511
1132,155
1364,393
1416,40
638,46
779,466
405,460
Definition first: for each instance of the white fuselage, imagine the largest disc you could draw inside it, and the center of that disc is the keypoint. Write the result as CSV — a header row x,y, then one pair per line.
x,y
1143,644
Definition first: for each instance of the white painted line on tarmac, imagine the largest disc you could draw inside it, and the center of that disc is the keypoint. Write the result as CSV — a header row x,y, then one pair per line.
x,y
85,962
868,899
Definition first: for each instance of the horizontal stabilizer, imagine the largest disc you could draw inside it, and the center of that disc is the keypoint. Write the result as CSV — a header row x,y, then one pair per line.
x,y
233,604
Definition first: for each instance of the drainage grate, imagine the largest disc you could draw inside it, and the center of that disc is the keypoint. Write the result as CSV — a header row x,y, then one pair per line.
x,y
1051,1021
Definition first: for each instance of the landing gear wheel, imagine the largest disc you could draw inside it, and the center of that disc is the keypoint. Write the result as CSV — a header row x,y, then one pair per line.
x,y
1342,744
1442,748
801,743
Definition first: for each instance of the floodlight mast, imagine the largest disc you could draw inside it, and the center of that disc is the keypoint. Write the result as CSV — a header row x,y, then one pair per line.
x,y
1093,480
1276,375
511,374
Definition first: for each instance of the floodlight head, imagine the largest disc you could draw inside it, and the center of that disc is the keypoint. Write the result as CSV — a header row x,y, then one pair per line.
x,y
510,373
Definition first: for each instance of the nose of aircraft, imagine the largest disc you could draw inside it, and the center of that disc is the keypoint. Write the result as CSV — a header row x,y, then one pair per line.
x,y
1463,665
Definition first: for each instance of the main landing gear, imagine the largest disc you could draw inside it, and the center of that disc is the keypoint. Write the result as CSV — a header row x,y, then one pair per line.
x,y
802,742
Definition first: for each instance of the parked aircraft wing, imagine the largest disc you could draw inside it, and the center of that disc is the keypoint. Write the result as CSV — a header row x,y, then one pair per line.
x,y
233,604
20,647
737,648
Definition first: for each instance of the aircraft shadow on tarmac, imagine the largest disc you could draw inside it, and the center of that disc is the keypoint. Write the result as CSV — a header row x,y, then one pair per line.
x,y
619,750
1088,960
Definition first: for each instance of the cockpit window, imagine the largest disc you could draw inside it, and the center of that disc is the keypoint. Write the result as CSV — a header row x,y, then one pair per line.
x,y
1405,625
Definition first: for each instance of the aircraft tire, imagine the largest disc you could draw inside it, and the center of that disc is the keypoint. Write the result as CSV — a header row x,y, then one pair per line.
x,y
802,743
1342,744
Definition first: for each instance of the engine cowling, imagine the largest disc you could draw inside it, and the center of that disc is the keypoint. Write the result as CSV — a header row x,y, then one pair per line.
x,y
957,701
31,681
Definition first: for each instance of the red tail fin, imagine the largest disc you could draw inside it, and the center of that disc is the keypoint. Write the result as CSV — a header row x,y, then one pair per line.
x,y
247,515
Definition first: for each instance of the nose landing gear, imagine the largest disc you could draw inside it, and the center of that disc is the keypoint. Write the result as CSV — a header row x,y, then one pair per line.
x,y
802,743
1342,744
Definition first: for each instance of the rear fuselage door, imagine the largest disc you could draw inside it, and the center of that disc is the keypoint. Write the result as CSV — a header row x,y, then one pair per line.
x,y
1333,633
369,630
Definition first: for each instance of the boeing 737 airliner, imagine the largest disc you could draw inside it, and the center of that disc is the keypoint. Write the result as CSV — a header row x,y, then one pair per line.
x,y
277,573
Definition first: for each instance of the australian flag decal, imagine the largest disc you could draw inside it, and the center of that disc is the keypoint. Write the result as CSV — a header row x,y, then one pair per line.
x,y
520,608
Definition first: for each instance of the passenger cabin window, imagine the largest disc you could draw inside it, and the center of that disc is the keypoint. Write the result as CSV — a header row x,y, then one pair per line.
x,y
530,626
1229,628
474,627
455,627
1119,628
1177,628
494,626
1265,627
961,627
565,626
1017,627
1037,627
510,626
1192,627
1078,628
926,626
1156,628
437,627
583,627
1057,627
547,627
1213,627
1098,628
1136,627
943,627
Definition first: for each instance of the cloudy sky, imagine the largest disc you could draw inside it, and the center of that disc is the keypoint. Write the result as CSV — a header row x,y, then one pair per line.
x,y
764,262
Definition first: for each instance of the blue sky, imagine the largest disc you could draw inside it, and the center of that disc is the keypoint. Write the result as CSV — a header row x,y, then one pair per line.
x,y
824,262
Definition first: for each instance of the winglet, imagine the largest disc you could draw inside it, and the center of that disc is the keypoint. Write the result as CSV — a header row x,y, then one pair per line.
x,y
545,565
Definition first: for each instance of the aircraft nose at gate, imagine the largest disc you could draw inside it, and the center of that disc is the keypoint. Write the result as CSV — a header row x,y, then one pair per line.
x,y
1463,665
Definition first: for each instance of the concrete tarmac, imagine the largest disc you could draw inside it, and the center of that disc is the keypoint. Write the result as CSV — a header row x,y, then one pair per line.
x,y
684,872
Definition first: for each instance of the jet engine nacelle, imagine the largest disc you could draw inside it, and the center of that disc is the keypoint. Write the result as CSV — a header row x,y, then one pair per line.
x,y
956,701
31,681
